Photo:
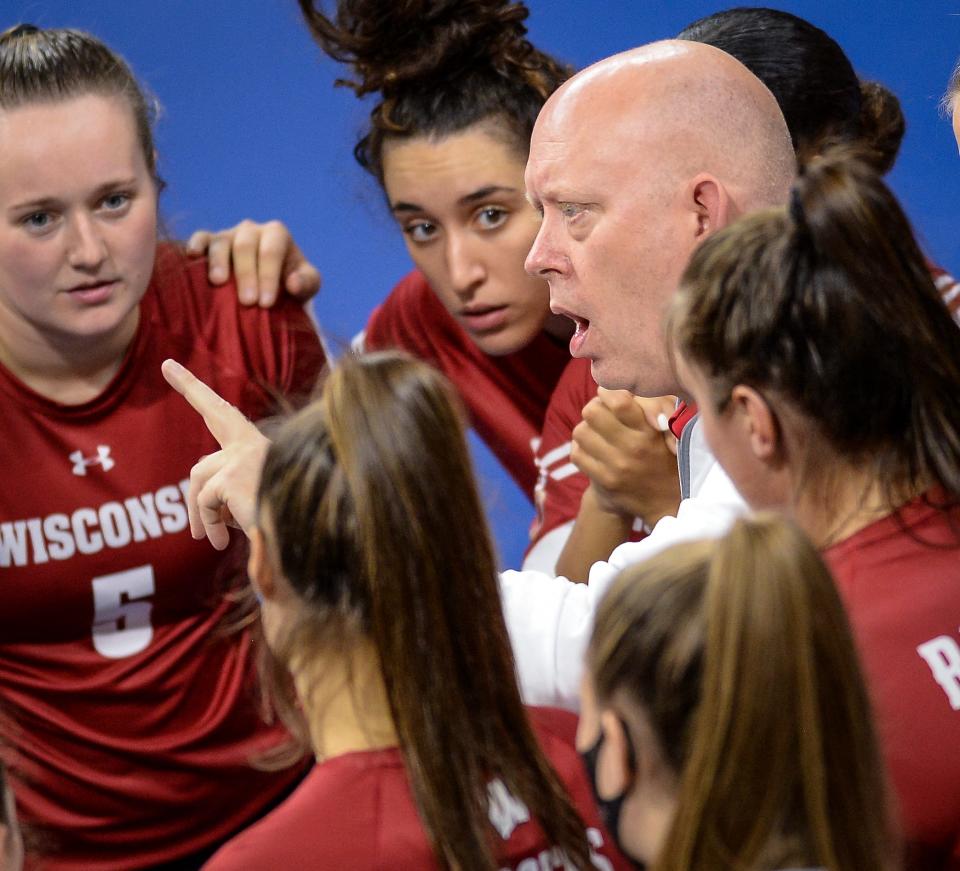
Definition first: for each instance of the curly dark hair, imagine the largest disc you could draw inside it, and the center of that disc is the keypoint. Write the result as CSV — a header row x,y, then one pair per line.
x,y
439,66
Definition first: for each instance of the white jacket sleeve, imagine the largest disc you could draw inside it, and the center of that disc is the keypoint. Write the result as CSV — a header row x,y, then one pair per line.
x,y
550,619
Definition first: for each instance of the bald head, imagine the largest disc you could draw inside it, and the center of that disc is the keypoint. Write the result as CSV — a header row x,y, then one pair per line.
x,y
633,161
700,108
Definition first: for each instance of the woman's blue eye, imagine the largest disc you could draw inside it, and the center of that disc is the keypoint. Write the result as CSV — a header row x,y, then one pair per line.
x,y
38,220
116,201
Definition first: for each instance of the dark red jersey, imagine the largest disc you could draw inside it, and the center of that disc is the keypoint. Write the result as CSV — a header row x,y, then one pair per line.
x,y
356,811
505,396
134,718
560,484
900,581
949,289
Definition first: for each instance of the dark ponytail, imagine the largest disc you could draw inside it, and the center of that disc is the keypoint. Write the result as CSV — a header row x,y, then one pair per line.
x,y
811,78
439,66
378,526
829,305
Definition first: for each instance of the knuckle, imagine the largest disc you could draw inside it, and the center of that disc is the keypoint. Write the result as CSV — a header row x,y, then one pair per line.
x,y
605,479
592,410
619,401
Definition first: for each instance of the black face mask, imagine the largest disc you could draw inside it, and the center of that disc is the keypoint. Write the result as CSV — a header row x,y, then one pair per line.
x,y
610,807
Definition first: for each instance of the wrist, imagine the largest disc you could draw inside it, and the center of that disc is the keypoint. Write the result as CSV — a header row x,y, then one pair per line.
x,y
601,503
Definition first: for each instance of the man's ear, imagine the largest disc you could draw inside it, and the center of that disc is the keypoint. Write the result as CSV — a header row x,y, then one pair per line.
x,y
760,423
260,566
711,203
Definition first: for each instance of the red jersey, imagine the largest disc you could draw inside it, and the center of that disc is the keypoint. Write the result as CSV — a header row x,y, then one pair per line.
x,y
900,581
505,396
356,811
949,289
560,484
134,717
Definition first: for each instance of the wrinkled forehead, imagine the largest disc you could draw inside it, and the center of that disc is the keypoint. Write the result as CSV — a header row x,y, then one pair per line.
x,y
592,148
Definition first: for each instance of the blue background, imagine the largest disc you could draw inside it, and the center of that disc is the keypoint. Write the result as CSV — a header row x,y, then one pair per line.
x,y
252,127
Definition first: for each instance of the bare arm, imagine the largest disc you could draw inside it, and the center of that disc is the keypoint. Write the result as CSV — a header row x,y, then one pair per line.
x,y
623,446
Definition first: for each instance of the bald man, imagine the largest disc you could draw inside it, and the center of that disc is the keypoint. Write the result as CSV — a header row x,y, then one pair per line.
x,y
633,162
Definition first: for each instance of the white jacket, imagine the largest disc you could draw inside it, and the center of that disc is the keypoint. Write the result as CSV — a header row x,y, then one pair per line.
x,y
550,619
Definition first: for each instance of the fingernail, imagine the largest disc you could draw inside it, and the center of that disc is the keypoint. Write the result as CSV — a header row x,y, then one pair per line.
x,y
218,273
663,422
248,295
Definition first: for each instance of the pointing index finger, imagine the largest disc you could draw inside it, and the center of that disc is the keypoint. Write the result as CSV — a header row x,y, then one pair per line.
x,y
226,423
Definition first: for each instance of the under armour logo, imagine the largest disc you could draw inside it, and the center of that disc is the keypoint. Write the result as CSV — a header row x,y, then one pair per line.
x,y
102,459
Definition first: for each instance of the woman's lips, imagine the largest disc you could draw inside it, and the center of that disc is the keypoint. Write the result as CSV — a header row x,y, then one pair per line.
x,y
92,294
484,320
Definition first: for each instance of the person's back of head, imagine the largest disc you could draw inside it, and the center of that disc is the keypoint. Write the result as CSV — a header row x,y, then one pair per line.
x,y
731,664
811,78
376,524
862,347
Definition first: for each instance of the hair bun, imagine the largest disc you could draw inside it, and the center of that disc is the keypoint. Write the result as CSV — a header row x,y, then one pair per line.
x,y
882,124
392,44
19,30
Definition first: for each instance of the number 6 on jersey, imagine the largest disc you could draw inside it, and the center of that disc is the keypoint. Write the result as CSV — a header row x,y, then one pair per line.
x,y
121,625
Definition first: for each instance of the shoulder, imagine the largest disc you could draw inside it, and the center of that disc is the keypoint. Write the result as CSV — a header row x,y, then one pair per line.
x,y
180,284
553,726
411,318
921,536
180,296
368,817
410,298
574,390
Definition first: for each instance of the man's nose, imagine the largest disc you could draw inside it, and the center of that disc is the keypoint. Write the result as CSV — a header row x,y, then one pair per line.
x,y
544,257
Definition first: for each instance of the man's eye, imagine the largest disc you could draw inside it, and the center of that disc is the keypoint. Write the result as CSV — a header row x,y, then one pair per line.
x,y
571,210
